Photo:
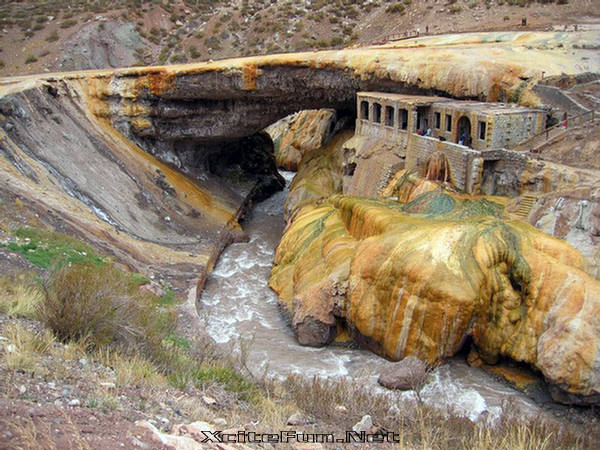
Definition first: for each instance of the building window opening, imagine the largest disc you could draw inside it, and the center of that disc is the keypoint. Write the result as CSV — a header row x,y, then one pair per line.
x,y
482,126
422,124
389,116
448,123
438,120
364,110
377,112
403,116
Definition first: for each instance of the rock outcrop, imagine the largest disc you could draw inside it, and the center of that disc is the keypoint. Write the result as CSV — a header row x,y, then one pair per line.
x,y
319,175
420,278
301,132
234,98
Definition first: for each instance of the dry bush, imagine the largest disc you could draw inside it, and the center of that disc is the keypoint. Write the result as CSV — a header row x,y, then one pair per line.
x,y
100,305
320,397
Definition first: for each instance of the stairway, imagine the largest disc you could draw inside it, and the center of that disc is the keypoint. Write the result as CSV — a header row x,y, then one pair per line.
x,y
525,206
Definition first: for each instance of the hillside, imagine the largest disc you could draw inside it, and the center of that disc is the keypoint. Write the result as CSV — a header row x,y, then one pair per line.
x,y
40,35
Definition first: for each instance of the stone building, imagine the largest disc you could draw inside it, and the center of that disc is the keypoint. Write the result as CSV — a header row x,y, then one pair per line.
x,y
488,125
417,126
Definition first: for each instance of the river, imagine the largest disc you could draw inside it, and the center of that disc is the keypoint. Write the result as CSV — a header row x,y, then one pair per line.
x,y
238,305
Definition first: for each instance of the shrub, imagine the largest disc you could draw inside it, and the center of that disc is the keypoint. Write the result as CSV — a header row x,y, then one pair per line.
x,y
68,23
30,59
102,306
194,53
53,37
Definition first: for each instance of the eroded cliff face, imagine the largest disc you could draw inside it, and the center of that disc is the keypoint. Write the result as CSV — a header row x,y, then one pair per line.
x,y
72,167
419,278
319,175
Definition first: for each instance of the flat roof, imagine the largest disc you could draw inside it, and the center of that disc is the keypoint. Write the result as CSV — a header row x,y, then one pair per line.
x,y
463,105
404,98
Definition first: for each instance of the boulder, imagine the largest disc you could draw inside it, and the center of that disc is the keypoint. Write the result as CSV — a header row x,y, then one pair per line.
x,y
408,374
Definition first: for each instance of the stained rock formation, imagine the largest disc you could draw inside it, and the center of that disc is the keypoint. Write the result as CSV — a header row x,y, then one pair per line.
x,y
233,98
419,278
319,175
80,174
301,132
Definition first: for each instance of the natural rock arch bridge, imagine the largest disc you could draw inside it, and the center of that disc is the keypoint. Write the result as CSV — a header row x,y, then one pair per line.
x,y
68,140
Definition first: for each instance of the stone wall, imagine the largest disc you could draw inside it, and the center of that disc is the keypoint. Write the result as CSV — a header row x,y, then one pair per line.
x,y
379,131
507,130
465,163
369,163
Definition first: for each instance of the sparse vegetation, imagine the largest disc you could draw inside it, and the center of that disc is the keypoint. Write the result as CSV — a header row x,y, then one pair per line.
x,y
53,37
47,248
68,23
30,59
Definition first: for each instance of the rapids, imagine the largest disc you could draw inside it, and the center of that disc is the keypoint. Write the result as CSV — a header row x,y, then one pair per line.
x,y
238,306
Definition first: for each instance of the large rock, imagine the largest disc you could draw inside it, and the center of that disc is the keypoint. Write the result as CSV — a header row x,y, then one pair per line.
x,y
319,174
301,132
408,374
420,278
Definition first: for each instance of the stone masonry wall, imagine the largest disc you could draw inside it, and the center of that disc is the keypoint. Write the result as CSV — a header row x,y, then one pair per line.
x,y
465,163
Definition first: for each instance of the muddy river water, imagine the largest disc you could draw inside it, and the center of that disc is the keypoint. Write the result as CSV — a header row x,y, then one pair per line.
x,y
238,305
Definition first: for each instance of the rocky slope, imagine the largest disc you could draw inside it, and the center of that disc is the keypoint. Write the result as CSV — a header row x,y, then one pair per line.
x,y
42,36
77,171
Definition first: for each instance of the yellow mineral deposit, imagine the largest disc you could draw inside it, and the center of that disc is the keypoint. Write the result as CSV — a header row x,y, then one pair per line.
x,y
419,284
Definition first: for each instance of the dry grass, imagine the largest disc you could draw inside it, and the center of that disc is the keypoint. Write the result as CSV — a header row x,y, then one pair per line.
x,y
19,298
32,436
131,370
25,347
428,428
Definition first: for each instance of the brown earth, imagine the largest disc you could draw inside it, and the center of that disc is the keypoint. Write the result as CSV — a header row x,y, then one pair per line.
x,y
180,31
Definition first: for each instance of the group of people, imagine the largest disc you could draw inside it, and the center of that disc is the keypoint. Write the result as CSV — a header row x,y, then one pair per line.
x,y
464,139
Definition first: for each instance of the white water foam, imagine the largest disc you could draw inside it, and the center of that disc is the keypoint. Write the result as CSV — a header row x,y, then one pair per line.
x,y
239,305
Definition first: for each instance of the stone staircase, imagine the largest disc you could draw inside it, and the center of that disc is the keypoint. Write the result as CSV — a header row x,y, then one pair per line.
x,y
526,205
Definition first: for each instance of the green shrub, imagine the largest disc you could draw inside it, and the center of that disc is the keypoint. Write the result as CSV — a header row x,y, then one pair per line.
x,y
194,53
30,59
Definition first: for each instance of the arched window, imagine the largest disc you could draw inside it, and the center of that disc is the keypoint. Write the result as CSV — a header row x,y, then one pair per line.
x,y
364,110
389,116
376,112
